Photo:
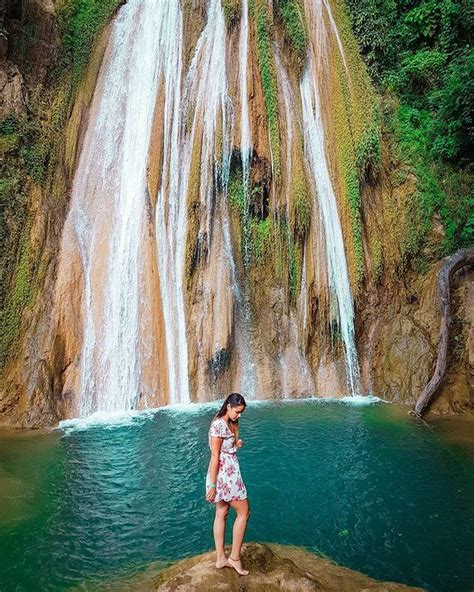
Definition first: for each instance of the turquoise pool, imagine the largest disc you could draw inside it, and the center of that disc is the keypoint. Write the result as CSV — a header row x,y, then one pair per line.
x,y
364,485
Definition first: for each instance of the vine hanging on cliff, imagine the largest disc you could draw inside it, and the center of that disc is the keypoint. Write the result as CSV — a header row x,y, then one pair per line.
x,y
455,263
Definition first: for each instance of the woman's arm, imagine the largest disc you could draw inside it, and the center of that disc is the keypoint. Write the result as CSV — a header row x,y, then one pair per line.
x,y
216,444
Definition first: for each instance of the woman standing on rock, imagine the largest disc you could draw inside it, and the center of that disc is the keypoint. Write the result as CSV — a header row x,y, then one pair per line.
x,y
224,485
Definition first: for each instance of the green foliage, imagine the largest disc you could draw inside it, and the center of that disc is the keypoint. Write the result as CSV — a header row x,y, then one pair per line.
x,y
35,150
9,125
372,22
421,49
20,297
419,72
291,13
255,231
368,153
259,235
353,198
302,215
27,145
236,193
293,269
457,210
80,22
266,60
409,127
440,188
453,127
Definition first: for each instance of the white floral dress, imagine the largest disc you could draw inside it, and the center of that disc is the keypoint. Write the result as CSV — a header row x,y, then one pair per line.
x,y
229,484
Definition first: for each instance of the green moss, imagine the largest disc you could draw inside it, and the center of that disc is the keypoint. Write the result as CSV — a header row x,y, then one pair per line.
x,y
353,200
409,126
377,258
21,295
266,61
368,152
292,16
79,23
8,143
302,216
259,239
354,106
60,111
35,159
300,201
287,251
293,269
8,125
236,193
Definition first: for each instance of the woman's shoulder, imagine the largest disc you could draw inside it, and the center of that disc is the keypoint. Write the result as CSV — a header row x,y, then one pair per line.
x,y
218,427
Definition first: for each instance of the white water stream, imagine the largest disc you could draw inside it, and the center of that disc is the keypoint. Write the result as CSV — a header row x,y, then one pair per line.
x,y
143,71
324,198
107,210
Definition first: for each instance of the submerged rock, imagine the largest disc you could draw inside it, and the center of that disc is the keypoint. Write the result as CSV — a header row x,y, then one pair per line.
x,y
272,568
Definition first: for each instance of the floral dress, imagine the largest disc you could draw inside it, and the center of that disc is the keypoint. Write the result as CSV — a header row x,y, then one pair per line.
x,y
229,484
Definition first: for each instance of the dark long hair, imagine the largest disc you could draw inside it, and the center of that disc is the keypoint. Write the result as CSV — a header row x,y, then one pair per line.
x,y
234,400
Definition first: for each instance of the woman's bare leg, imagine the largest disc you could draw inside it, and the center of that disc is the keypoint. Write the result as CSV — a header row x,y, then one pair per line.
x,y
222,509
240,525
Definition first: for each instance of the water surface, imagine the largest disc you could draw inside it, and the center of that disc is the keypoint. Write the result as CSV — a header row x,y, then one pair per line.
x,y
364,485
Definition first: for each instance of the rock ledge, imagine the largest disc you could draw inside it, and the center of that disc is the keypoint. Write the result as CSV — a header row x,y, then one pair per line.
x,y
272,568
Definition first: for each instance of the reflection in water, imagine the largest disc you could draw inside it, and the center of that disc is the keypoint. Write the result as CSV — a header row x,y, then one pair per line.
x,y
360,484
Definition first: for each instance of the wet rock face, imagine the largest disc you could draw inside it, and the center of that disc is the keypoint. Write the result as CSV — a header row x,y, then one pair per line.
x,y
13,94
32,37
397,325
272,568
398,339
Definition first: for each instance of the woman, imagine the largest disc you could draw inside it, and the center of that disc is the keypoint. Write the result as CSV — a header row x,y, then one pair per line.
x,y
224,485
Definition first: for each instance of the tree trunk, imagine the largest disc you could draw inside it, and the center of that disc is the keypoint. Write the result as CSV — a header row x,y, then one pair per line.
x,y
457,261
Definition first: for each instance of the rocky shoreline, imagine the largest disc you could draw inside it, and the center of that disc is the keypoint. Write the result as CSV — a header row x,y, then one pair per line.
x,y
272,568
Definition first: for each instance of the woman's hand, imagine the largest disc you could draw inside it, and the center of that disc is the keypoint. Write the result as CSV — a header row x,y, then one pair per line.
x,y
240,443
211,494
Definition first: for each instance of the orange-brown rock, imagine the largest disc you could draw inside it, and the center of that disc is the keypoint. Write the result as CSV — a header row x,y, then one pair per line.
x,y
273,568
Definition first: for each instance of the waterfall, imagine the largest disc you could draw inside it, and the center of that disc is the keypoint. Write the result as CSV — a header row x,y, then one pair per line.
x,y
107,211
242,296
245,140
207,99
292,360
162,289
335,32
323,194
171,214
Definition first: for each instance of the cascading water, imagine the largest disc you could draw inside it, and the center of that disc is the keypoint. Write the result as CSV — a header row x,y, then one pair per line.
x,y
171,215
108,207
334,30
292,360
245,139
242,296
207,100
323,194
149,110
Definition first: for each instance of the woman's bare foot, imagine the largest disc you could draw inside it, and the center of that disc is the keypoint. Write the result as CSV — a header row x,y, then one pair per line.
x,y
220,563
237,565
